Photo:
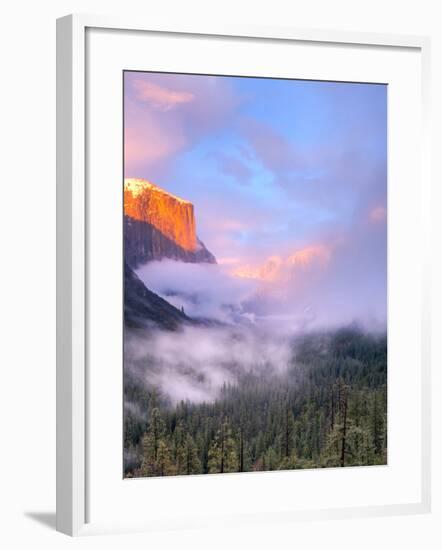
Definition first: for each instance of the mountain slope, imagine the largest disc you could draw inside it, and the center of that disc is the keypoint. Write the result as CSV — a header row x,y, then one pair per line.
x,y
159,225
143,308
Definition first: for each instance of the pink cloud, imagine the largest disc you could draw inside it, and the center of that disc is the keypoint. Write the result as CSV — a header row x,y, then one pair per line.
x,y
166,114
146,141
278,269
378,214
303,257
159,96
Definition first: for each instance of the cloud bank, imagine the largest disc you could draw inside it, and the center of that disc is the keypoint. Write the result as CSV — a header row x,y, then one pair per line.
x,y
321,286
205,291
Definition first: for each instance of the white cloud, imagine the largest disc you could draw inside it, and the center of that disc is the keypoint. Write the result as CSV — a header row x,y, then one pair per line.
x,y
203,290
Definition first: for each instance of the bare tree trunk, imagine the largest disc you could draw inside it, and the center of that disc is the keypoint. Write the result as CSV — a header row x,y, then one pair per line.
x,y
241,451
344,425
339,396
222,449
287,432
375,423
155,438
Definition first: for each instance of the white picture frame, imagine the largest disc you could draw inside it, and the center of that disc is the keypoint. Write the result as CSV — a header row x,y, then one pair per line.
x,y
73,300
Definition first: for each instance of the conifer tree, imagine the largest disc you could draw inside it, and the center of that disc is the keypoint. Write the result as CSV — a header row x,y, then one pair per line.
x,y
222,454
187,457
288,428
151,444
164,465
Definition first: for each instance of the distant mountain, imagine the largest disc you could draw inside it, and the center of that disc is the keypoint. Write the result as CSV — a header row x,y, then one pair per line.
x,y
159,225
143,308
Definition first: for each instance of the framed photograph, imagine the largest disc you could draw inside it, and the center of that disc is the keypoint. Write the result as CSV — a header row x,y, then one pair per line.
x,y
242,294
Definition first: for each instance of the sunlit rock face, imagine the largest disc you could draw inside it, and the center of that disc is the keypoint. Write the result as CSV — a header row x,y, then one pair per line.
x,y
159,225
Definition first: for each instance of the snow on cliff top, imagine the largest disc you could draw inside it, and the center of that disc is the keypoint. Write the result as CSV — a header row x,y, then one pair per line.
x,y
137,185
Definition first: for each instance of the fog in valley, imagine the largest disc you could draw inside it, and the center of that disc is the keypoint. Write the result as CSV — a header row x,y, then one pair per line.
x,y
244,326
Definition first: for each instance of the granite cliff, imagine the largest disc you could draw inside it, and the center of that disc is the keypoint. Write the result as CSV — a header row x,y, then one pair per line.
x,y
159,225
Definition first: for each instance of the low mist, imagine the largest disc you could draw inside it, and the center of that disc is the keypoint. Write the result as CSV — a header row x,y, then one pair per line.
x,y
194,363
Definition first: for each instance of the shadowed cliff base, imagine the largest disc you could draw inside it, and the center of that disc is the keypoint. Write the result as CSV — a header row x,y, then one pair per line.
x,y
143,243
